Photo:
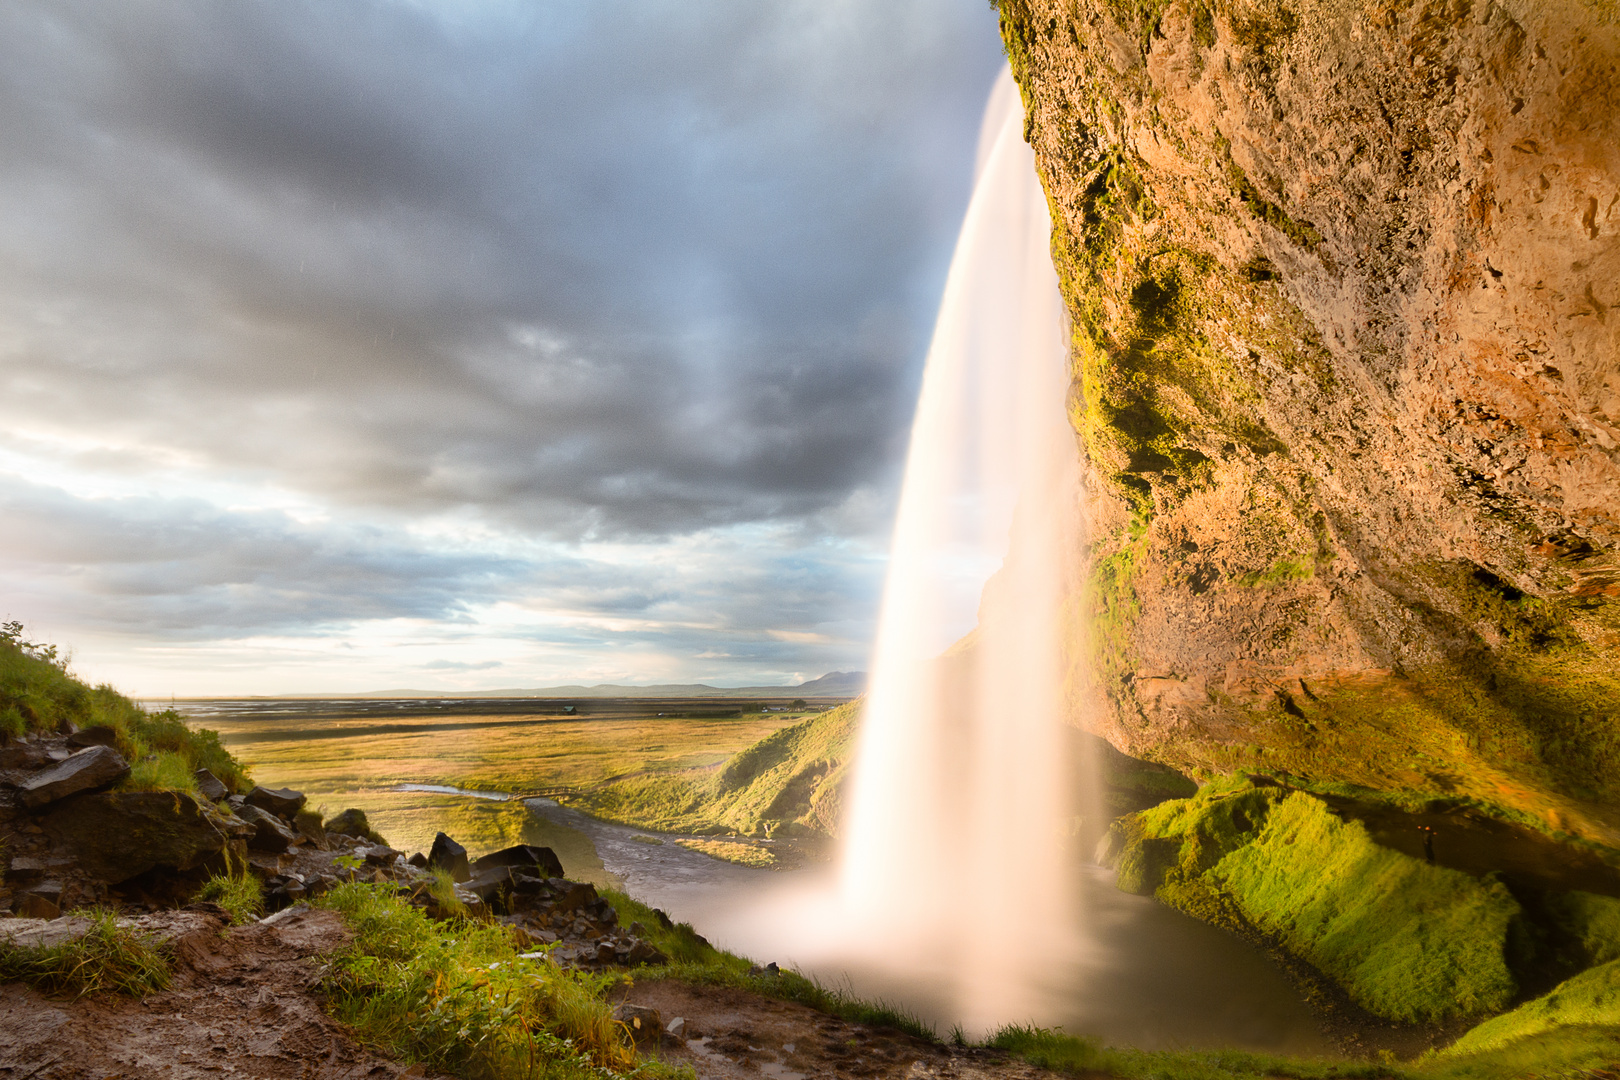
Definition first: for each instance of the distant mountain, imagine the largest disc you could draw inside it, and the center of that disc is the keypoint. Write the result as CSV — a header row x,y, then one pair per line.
x,y
834,684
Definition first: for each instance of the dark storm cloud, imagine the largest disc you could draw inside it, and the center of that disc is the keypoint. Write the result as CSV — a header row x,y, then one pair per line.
x,y
605,269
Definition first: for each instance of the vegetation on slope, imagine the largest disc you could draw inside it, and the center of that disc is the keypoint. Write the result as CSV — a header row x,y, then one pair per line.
x,y
1406,940
1591,999
789,783
460,997
39,694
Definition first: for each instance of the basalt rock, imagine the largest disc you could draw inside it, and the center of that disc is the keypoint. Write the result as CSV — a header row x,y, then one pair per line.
x,y
210,786
352,822
1344,282
282,802
449,856
522,856
115,836
86,770
93,736
270,833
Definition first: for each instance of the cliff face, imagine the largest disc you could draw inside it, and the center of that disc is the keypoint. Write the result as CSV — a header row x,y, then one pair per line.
x,y
1345,286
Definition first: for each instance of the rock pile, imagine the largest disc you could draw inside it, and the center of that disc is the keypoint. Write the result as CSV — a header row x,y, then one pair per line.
x,y
69,841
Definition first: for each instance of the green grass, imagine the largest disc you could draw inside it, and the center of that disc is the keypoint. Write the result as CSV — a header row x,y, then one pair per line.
x,y
458,997
162,771
1590,999
1072,1054
443,890
241,896
788,783
107,957
39,694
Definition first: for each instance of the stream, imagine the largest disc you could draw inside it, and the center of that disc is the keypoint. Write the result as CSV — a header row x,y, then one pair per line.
x,y
1145,976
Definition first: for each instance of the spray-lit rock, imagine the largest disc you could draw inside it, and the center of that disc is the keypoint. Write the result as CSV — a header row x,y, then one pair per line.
x,y
1347,374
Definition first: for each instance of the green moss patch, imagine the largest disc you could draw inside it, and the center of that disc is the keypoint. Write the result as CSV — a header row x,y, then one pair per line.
x,y
1591,998
1406,940
1592,921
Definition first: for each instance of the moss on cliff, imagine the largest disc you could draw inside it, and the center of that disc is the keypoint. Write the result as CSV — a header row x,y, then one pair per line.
x,y
1406,940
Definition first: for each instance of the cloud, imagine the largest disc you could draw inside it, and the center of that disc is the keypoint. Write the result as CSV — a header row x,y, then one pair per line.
x,y
604,315
458,665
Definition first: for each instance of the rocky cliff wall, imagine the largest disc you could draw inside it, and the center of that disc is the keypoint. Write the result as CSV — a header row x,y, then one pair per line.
x,y
1344,279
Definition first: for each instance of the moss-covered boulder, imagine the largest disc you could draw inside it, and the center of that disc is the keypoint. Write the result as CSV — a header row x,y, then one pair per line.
x,y
1406,940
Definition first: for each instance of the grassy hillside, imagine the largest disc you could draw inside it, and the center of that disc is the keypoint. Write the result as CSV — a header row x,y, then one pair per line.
x,y
789,783
39,694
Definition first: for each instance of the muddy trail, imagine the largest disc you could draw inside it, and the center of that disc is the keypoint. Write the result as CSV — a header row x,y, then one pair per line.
x,y
241,1003
246,1003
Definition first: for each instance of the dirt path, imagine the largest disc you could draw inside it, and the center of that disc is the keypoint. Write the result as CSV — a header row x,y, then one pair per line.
x,y
240,1005
729,1034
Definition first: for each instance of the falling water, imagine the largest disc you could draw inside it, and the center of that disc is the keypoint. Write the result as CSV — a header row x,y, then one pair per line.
x,y
961,776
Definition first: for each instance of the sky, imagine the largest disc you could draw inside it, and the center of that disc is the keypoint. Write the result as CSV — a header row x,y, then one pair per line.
x,y
349,345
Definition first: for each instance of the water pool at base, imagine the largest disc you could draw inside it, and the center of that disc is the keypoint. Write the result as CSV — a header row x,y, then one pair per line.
x,y
1145,975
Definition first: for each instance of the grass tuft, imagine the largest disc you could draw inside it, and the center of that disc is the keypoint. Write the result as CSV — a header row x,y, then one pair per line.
x,y
242,897
107,957
460,998
443,890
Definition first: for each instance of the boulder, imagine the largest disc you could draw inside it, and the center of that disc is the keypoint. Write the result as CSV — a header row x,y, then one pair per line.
x,y
643,1022
418,860
87,770
270,833
522,856
308,824
643,952
382,855
210,786
449,856
115,835
282,802
93,736
352,822
579,895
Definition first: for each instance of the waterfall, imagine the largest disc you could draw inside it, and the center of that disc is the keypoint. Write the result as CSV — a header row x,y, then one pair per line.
x,y
952,847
